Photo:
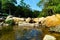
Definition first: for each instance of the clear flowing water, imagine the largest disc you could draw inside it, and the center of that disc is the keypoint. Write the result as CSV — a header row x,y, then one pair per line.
x,y
28,34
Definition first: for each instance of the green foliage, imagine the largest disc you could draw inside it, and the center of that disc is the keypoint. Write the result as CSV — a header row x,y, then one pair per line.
x,y
6,5
7,1
22,10
0,3
50,6
10,22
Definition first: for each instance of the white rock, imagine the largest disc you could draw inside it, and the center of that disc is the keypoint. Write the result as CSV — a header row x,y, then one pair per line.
x,y
28,19
9,18
5,24
25,24
36,24
49,37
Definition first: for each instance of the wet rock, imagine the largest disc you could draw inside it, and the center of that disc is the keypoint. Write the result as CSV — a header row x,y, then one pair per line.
x,y
1,24
55,29
32,21
49,37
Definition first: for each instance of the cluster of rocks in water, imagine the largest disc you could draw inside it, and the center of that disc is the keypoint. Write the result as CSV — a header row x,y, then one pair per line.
x,y
55,29
32,33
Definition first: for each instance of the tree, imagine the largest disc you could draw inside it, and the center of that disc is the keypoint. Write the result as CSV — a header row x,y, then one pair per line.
x,y
36,13
22,3
7,3
0,5
50,6
22,10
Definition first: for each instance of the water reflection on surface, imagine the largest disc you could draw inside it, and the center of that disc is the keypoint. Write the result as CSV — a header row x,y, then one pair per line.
x,y
28,34
32,34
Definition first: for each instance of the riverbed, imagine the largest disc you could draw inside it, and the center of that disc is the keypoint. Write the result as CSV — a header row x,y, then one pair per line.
x,y
26,33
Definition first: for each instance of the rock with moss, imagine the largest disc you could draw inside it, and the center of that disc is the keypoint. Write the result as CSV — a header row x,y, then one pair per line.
x,y
55,29
9,20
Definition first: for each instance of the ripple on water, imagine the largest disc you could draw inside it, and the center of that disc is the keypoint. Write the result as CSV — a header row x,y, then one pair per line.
x,y
29,35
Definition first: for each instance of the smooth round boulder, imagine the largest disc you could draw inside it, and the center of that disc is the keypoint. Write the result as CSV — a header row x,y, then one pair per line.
x,y
49,37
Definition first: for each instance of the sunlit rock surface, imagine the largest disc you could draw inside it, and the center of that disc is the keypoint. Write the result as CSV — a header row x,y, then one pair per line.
x,y
53,20
55,29
28,19
49,37
9,18
38,19
48,21
17,20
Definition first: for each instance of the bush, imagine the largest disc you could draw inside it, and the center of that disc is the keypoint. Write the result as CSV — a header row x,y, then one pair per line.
x,y
10,22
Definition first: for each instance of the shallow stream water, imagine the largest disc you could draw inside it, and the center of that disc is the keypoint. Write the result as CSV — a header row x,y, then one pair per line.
x,y
25,33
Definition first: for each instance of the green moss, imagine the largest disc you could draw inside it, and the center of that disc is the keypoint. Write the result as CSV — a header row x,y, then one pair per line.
x,y
10,22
